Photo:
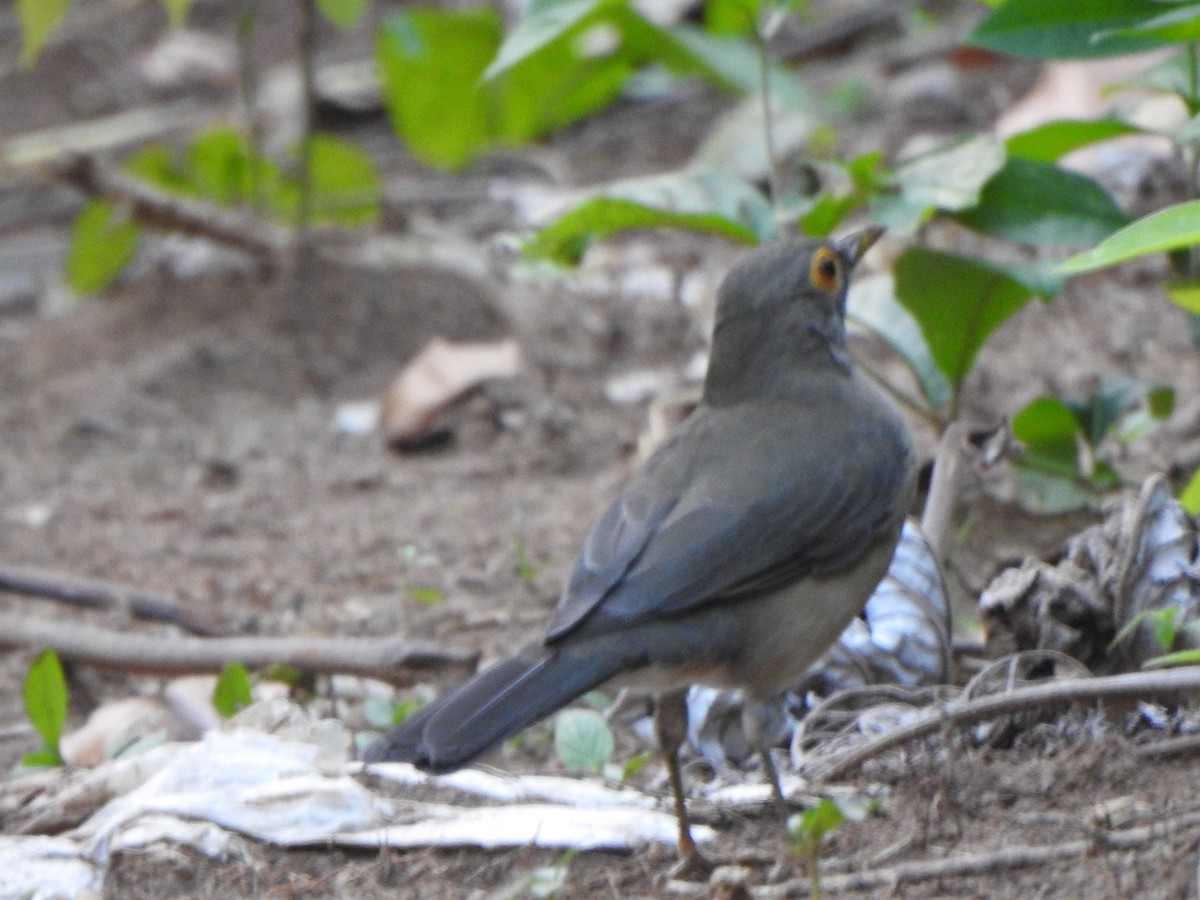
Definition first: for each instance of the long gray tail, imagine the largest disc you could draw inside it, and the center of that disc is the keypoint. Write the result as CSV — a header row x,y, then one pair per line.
x,y
493,706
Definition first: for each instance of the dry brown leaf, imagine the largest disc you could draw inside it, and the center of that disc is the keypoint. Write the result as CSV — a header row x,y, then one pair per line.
x,y
439,376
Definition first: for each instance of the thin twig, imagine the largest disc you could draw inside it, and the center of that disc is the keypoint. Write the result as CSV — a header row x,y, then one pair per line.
x,y
967,712
1002,860
236,228
1185,743
944,489
108,595
388,659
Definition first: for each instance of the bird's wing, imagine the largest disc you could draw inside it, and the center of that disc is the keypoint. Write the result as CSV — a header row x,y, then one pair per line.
x,y
694,526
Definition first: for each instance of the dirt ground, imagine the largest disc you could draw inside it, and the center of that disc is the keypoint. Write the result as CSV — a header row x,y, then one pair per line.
x,y
177,433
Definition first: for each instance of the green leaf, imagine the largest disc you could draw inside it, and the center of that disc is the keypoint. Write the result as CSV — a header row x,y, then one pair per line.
x,y
958,302
1185,295
706,201
45,758
37,19
45,696
232,691
177,11
346,188
634,765
1064,29
1161,401
1189,497
430,64
1048,429
427,595
582,740
381,712
1170,660
1168,229
218,165
103,241
732,17
1039,204
543,22
949,178
342,13
1053,140
817,821
1176,26
872,302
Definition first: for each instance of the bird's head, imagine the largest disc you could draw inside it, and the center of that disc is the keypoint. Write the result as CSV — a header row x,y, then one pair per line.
x,y
783,308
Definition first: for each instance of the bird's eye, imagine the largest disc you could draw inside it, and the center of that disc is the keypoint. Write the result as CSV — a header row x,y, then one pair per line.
x,y
824,271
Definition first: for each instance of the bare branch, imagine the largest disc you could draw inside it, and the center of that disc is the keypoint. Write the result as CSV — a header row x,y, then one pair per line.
x,y
108,595
388,659
967,712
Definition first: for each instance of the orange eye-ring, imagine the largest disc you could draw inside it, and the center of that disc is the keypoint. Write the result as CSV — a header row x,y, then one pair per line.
x,y
825,269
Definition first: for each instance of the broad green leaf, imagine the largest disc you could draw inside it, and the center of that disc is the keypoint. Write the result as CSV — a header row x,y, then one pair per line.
x,y
732,17
1064,29
37,19
45,696
958,302
232,691
817,821
342,13
582,740
872,302
708,201
177,11
1039,276
949,178
430,63
543,22
1053,140
1168,229
218,165
1097,415
103,241
157,165
1039,204
1172,76
1048,429
346,188
1189,497
1178,25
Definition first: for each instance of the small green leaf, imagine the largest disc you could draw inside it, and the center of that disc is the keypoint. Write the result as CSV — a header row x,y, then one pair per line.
x,y
950,178
1048,429
1189,497
381,712
427,595
41,759
1168,229
177,11
1039,204
232,691
346,187
634,765
817,821
582,740
1064,29
707,201
103,241
1185,295
1170,660
957,302
342,13
543,22
37,19
1161,401
283,673
45,696
1053,140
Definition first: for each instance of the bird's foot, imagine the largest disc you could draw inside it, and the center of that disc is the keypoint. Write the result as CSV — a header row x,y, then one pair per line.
x,y
692,866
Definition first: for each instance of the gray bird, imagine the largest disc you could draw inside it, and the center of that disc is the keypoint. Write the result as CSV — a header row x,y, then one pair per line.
x,y
741,548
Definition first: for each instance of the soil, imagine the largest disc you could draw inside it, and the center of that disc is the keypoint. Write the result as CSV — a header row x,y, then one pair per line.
x,y
177,434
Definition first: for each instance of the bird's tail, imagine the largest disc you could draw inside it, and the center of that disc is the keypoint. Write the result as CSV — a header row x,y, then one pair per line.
x,y
493,706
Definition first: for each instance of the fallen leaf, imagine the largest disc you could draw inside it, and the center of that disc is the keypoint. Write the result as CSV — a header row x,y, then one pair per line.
x,y
439,376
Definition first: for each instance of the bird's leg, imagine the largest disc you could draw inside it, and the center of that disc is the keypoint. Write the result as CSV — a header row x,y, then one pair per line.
x,y
760,721
670,726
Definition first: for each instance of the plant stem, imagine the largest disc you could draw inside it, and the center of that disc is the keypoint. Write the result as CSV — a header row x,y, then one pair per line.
x,y
308,63
247,18
764,87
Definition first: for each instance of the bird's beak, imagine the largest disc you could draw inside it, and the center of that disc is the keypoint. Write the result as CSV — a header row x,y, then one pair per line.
x,y
854,246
